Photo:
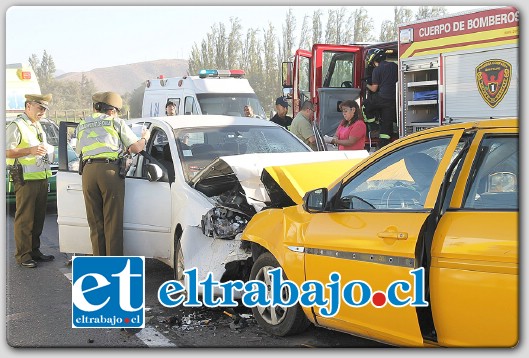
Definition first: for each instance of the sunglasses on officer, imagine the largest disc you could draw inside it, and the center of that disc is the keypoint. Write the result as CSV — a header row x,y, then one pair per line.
x,y
41,107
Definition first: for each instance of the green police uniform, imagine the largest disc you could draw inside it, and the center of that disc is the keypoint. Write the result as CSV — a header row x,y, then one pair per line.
x,y
102,140
31,197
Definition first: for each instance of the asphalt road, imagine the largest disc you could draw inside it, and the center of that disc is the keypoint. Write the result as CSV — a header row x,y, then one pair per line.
x,y
38,306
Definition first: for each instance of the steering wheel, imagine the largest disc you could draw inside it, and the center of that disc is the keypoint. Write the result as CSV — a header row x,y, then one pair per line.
x,y
355,202
347,84
401,198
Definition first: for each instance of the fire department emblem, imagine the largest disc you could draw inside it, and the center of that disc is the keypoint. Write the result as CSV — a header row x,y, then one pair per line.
x,y
493,78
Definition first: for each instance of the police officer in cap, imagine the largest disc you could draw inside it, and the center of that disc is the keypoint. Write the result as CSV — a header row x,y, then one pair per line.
x,y
26,145
103,138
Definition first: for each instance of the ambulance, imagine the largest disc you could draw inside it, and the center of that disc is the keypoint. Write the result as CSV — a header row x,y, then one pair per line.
x,y
223,92
458,68
20,80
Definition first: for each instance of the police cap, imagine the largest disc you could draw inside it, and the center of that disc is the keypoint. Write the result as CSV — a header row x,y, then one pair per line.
x,y
42,99
109,98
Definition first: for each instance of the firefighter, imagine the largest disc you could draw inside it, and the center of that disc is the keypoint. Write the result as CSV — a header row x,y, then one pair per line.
x,y
384,94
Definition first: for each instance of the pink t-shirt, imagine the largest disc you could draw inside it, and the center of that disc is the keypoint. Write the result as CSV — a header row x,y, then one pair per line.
x,y
357,130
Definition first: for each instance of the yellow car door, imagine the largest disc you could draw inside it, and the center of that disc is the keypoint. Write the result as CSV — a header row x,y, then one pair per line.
x,y
474,269
369,237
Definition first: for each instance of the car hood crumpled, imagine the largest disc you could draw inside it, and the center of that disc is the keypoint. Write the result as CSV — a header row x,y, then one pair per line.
x,y
293,173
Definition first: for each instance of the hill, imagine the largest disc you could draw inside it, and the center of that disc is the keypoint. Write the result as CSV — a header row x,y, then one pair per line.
x,y
126,78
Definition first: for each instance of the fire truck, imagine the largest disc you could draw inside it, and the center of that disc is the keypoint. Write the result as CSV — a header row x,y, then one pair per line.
x,y
328,75
458,68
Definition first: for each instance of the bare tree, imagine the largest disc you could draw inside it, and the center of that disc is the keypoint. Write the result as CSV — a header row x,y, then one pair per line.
x,y
234,46
289,29
330,29
317,31
427,12
304,39
362,26
271,74
388,29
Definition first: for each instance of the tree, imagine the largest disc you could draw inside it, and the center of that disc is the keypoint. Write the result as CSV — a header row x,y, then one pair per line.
x,y
426,12
362,26
288,34
45,71
388,29
317,31
135,100
304,39
234,46
87,90
330,29
271,74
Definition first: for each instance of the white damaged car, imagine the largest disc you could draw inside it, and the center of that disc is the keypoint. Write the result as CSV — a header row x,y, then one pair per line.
x,y
191,193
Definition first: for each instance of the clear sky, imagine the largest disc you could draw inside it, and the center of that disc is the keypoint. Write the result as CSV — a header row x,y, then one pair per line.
x,y
82,38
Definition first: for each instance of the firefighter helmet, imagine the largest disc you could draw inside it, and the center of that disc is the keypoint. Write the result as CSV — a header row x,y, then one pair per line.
x,y
374,55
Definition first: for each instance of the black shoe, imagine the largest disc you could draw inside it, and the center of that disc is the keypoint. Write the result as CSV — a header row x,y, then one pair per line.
x,y
29,264
41,257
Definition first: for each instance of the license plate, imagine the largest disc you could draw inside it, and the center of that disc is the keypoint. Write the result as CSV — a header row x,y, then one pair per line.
x,y
49,187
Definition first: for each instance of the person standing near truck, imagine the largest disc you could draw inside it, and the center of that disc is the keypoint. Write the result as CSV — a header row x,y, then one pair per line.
x,y
351,133
302,125
27,153
281,116
383,99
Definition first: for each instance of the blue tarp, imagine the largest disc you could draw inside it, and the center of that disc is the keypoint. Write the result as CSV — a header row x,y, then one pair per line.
x,y
425,95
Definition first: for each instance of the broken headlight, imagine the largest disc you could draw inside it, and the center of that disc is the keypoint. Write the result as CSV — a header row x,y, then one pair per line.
x,y
223,223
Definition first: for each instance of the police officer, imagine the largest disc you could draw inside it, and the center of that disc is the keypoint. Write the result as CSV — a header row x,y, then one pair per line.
x,y
26,144
103,138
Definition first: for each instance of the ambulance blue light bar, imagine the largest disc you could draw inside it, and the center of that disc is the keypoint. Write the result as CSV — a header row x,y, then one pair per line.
x,y
220,73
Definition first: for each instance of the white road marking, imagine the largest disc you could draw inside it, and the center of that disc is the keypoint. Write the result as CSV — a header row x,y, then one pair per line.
x,y
151,337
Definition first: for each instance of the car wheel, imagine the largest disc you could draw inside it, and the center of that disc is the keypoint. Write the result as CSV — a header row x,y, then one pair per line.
x,y
178,259
279,321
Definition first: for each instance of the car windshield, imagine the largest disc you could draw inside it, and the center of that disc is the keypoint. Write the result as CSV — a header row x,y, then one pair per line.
x,y
200,146
229,104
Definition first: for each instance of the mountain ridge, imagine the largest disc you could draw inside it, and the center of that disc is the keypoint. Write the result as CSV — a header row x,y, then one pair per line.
x,y
126,78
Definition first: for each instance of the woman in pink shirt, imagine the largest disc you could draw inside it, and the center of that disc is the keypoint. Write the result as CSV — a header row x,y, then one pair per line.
x,y
351,133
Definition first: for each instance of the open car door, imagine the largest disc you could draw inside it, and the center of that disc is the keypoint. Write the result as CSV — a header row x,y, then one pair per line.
x,y
146,228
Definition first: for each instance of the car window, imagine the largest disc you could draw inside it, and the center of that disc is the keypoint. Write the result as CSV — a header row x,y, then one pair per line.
x,y
494,183
200,146
400,180
52,132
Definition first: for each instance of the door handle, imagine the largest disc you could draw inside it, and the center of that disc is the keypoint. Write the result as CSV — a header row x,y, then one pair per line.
x,y
77,187
392,233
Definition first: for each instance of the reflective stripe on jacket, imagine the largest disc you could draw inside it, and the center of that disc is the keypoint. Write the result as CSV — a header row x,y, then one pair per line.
x,y
34,167
98,137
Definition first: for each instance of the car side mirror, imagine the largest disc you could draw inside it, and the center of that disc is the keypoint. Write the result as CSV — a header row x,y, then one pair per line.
x,y
315,201
153,171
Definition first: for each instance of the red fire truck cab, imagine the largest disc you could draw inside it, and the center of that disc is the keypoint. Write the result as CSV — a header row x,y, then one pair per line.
x,y
328,75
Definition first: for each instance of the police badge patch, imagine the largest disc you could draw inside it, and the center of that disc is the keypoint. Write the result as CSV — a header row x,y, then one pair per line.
x,y
493,78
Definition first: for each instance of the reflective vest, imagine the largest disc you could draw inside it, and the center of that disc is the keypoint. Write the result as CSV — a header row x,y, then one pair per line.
x,y
98,138
33,166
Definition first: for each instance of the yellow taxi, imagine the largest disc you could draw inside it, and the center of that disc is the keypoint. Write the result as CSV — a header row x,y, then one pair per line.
x,y
416,245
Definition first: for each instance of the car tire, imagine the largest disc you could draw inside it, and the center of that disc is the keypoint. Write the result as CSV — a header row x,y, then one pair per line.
x,y
178,258
279,321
